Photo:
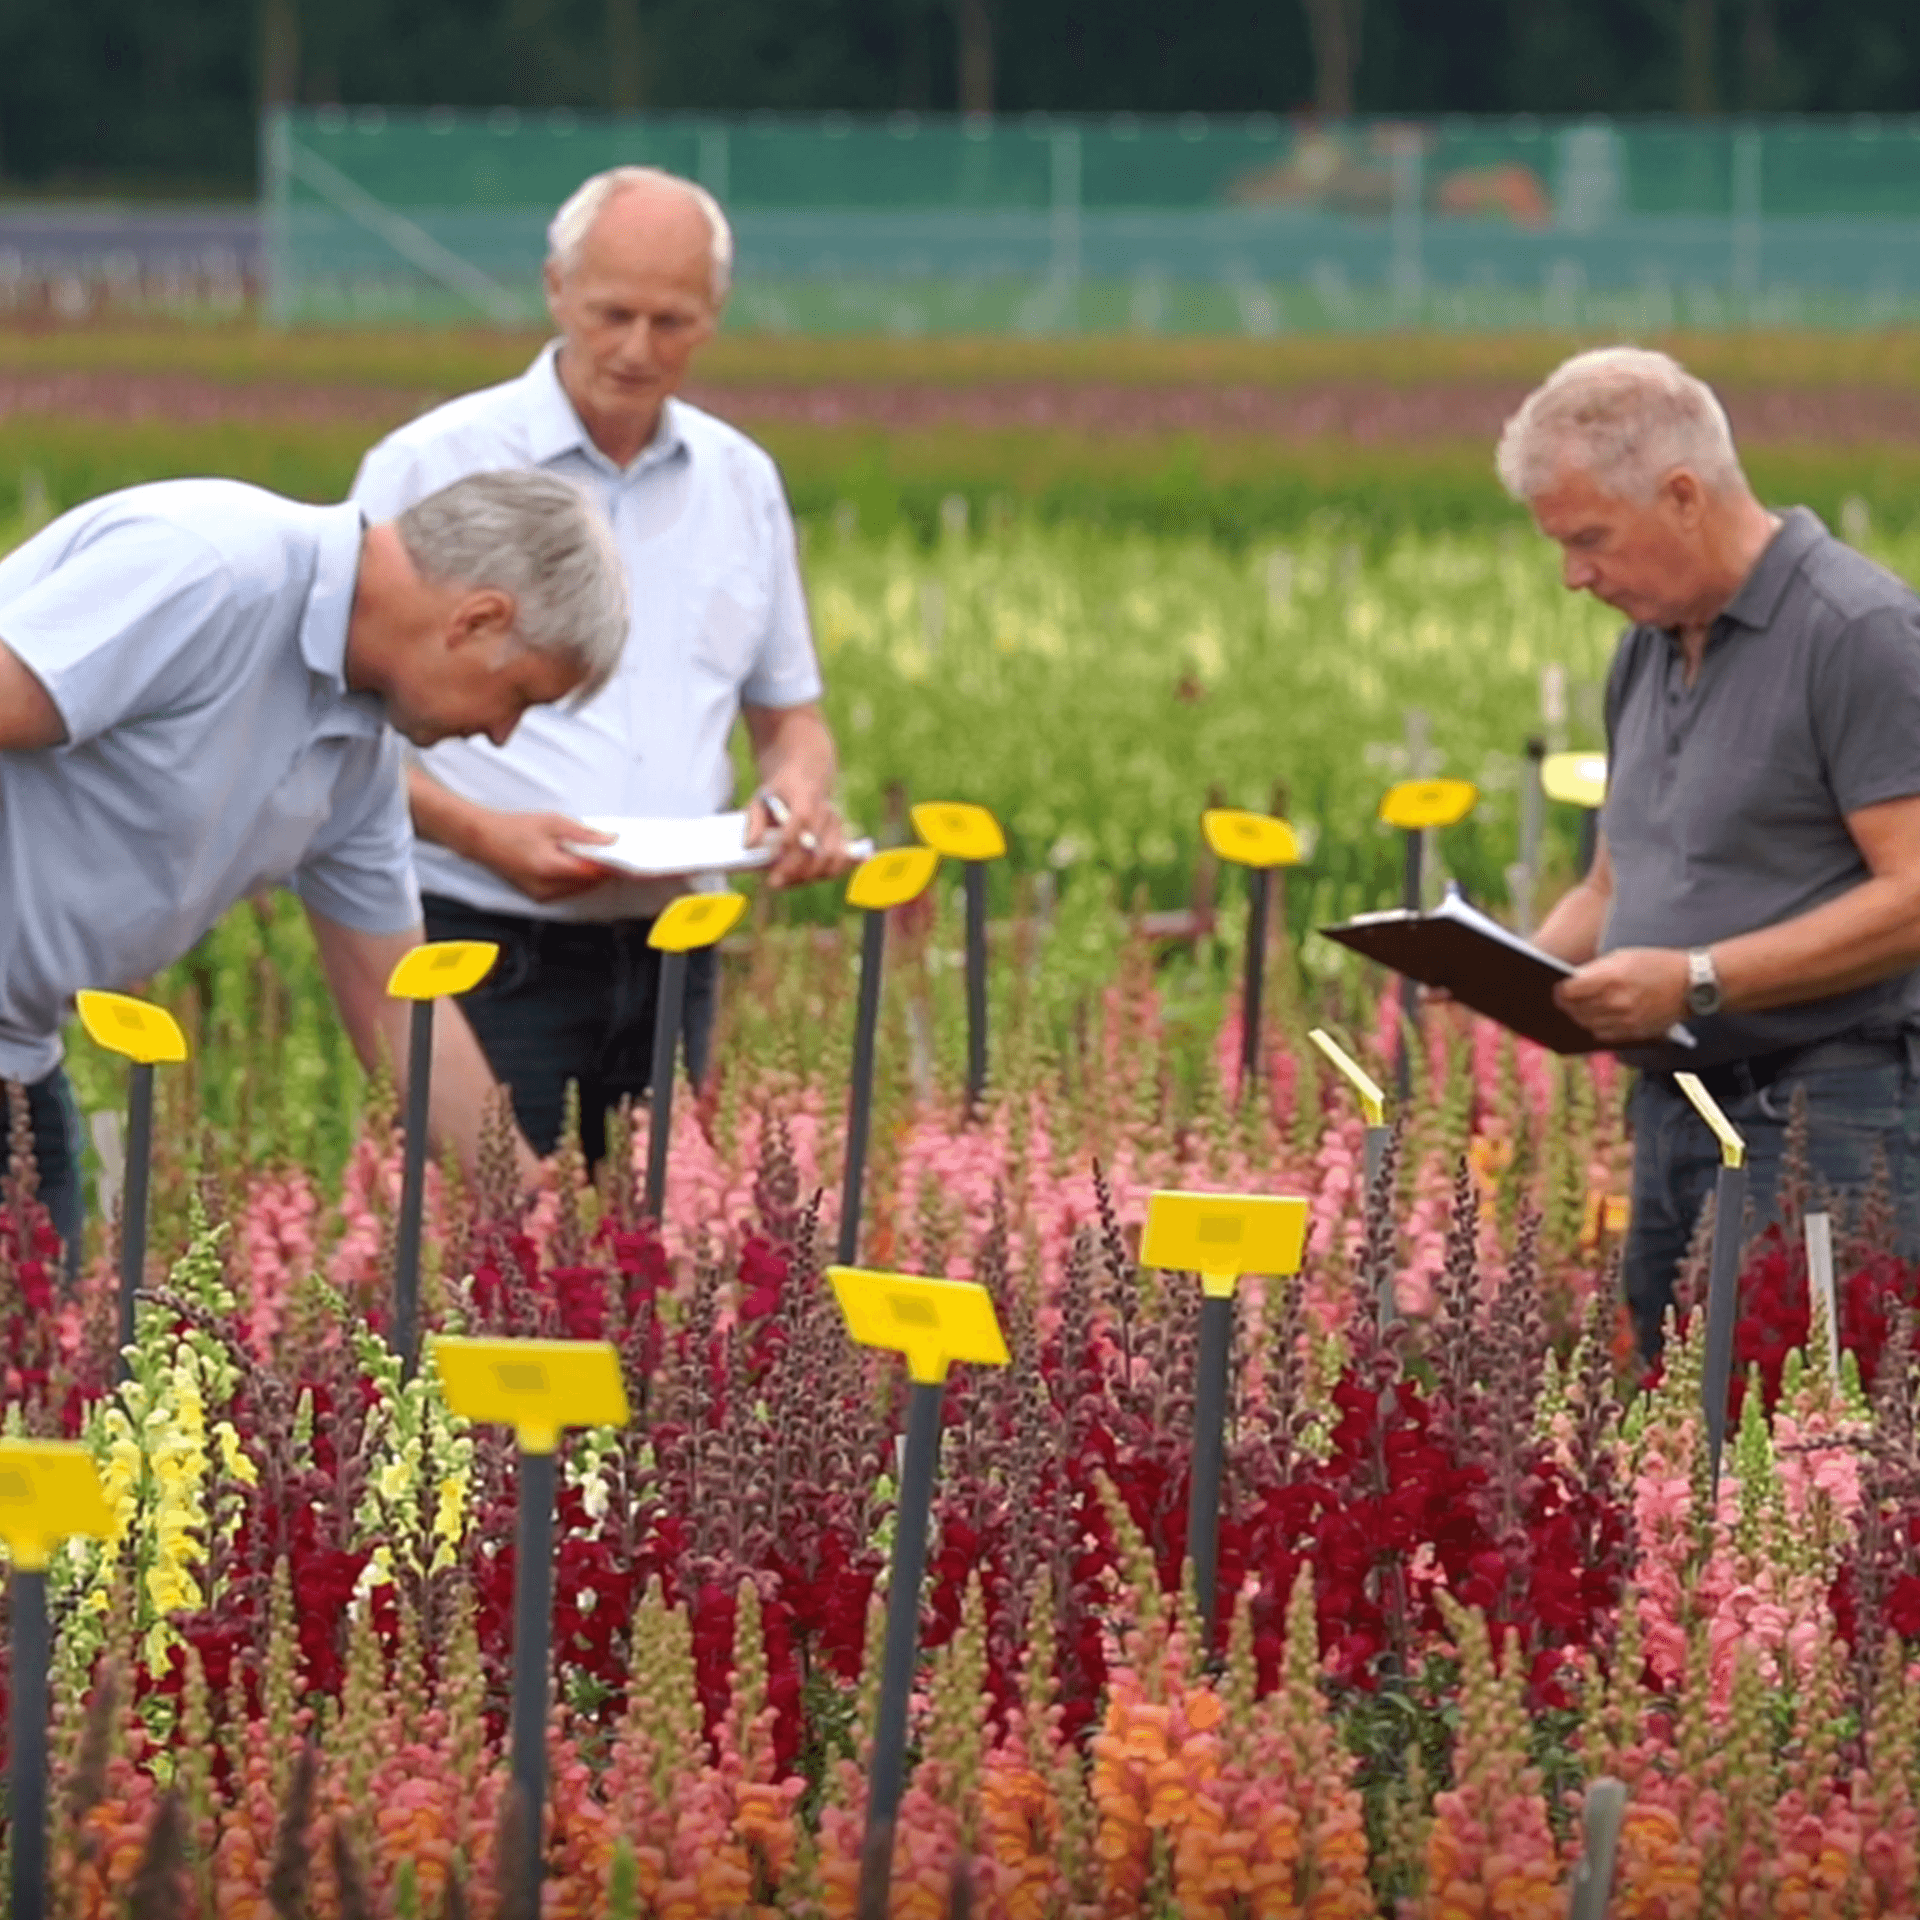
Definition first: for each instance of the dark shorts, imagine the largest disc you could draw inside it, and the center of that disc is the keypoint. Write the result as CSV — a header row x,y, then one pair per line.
x,y
1856,1115
54,1118
572,1000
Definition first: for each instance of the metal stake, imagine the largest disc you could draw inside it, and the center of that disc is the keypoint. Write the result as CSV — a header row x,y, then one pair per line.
x,y
1258,894
413,1189
27,1731
532,1650
974,878
873,945
668,1010
133,1198
887,1775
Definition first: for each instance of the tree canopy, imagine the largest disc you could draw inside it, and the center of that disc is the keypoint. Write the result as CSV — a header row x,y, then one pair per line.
x,y
165,93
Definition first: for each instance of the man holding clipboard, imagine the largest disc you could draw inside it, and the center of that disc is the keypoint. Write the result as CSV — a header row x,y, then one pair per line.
x,y
636,276
1757,875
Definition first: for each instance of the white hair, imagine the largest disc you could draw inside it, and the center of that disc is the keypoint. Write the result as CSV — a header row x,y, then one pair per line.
x,y
568,229
1624,416
541,539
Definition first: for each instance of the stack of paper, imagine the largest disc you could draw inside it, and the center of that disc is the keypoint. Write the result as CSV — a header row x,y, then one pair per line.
x,y
660,849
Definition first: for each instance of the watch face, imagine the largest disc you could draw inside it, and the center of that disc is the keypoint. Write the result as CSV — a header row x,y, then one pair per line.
x,y
1703,997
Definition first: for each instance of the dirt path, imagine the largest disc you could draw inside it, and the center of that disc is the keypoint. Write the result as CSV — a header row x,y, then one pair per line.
x,y
1356,410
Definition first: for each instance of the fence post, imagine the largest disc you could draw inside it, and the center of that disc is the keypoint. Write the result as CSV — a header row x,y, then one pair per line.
x,y
1066,223
1408,273
1747,154
276,218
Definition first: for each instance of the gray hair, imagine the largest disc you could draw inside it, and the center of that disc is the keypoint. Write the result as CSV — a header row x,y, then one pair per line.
x,y
567,231
541,539
1624,416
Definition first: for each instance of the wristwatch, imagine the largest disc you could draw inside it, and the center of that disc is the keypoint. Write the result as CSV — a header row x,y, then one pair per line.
x,y
1703,983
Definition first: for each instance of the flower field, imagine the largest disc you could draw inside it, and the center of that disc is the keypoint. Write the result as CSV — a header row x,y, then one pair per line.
x,y
1466,1565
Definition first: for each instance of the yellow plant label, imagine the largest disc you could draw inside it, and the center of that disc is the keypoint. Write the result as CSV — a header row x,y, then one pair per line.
x,y
49,1491
959,830
1373,1103
1250,839
1574,779
1733,1149
442,967
933,1322
144,1033
1417,804
1221,1236
535,1386
697,920
892,878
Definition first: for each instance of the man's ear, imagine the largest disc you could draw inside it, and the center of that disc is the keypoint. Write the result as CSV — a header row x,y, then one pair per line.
x,y
1683,494
552,279
485,614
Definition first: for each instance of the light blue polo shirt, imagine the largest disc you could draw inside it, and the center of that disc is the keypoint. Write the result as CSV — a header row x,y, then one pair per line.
x,y
193,636
719,617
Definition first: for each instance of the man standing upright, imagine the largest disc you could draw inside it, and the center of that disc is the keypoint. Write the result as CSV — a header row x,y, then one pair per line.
x,y
1758,873
636,275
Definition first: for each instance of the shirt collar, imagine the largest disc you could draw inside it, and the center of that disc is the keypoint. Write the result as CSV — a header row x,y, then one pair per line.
x,y
1760,592
329,609
553,428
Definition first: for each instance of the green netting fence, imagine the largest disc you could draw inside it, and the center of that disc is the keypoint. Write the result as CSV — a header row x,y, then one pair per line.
x,y
1052,224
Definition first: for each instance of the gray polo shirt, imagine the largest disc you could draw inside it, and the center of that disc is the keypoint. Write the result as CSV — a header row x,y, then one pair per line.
x,y
1727,801
193,637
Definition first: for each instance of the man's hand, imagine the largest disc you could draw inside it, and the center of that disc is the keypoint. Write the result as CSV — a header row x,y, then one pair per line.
x,y
1633,994
809,844
533,851
794,752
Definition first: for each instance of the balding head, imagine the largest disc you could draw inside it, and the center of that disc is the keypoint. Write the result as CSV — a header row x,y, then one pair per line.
x,y
634,282
656,210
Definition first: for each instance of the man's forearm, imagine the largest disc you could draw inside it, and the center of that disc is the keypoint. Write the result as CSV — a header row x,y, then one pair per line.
x,y
1571,932
798,749
442,818
1861,937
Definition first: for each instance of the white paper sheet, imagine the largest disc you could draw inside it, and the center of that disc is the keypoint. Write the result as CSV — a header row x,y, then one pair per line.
x,y
658,849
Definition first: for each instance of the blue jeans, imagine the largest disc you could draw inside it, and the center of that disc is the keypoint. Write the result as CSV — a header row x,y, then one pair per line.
x,y
54,1118
1854,1114
572,1000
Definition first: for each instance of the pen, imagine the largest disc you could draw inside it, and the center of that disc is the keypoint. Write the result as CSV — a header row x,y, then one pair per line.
x,y
777,810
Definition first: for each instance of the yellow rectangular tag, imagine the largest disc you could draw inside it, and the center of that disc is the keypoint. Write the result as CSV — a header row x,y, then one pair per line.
x,y
1250,839
1224,1235
441,967
697,920
959,830
143,1033
1733,1149
933,1322
535,1386
892,878
49,1491
1373,1103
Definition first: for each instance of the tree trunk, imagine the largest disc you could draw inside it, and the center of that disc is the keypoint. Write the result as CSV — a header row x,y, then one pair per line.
x,y
626,57
976,56
279,53
1698,91
1334,28
1759,59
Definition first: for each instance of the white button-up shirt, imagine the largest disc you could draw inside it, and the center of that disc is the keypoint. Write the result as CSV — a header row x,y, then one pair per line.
x,y
719,618
192,636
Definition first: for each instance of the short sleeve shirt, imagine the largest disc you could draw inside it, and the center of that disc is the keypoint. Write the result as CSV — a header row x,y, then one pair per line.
x,y
719,618
192,636
1727,801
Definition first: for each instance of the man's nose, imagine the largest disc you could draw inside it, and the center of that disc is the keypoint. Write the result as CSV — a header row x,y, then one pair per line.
x,y
1577,573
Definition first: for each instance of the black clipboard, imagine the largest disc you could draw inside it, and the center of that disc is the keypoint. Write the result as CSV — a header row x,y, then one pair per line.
x,y
1482,964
